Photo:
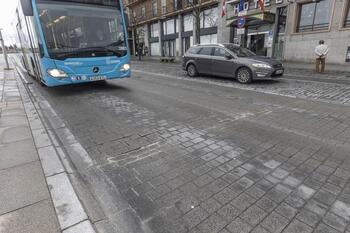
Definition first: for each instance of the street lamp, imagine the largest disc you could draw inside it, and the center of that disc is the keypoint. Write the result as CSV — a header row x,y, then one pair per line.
x,y
4,50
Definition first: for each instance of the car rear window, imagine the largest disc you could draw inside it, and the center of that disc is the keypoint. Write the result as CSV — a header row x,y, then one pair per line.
x,y
206,51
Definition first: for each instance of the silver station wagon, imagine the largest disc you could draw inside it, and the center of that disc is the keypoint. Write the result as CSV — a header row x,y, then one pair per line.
x,y
230,60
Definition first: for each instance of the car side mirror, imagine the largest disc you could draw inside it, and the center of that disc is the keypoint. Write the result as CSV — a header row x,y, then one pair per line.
x,y
228,56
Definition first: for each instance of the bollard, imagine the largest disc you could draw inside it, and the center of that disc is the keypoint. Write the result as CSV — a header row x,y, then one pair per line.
x,y
4,51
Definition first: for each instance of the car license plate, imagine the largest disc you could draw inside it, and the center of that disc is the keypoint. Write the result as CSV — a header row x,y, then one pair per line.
x,y
279,72
98,78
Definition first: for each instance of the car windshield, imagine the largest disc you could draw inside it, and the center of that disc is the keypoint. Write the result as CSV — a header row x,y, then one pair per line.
x,y
239,51
82,30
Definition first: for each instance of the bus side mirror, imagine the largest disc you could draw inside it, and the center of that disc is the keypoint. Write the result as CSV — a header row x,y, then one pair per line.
x,y
27,7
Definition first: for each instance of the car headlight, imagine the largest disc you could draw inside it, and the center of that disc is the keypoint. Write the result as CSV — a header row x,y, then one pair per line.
x,y
125,68
262,65
56,73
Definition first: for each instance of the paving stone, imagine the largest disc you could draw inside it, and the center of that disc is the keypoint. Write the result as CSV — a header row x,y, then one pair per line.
x,y
243,201
272,164
316,207
22,186
259,229
266,204
39,218
239,226
308,217
295,201
324,197
305,192
280,173
286,210
211,205
297,227
195,216
341,209
334,221
322,228
253,215
229,212
275,222
212,224
226,195
291,181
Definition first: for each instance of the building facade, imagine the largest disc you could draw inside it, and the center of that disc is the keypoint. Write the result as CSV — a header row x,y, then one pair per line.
x,y
167,27
285,29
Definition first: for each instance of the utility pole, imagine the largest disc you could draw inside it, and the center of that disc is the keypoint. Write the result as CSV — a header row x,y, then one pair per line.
x,y
4,51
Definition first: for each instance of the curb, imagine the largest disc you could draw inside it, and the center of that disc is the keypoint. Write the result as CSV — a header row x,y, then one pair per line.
x,y
71,215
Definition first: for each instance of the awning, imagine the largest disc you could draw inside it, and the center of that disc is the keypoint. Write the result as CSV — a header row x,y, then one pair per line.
x,y
253,19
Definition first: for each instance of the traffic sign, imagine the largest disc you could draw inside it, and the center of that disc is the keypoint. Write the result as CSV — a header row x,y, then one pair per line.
x,y
241,22
240,31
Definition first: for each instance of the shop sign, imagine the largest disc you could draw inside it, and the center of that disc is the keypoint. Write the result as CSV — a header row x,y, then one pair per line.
x,y
269,40
240,31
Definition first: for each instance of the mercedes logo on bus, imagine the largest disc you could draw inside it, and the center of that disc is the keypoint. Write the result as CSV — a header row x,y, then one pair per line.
x,y
95,69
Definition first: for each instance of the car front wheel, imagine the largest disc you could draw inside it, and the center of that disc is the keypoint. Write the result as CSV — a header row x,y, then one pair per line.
x,y
244,75
191,70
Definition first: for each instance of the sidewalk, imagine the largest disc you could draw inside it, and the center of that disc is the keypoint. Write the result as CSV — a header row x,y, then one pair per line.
x,y
36,194
25,202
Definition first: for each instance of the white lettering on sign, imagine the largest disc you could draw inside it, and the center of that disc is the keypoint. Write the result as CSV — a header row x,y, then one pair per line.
x,y
255,5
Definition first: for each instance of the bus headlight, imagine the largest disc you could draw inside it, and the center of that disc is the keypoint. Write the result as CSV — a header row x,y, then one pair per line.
x,y
57,73
125,68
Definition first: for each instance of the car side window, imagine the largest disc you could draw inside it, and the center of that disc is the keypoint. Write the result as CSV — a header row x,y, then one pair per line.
x,y
219,52
193,50
206,51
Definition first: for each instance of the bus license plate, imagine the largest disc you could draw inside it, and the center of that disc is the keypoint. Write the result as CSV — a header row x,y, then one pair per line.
x,y
98,78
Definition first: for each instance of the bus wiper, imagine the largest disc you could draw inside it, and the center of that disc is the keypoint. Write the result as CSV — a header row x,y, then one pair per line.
x,y
99,49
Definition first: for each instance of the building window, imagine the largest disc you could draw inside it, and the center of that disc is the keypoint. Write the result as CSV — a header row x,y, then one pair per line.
x,y
143,11
169,27
177,4
155,30
188,23
314,16
155,8
347,16
209,18
282,19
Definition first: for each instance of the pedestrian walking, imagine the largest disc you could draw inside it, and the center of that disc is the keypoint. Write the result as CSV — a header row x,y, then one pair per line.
x,y
146,51
139,52
321,52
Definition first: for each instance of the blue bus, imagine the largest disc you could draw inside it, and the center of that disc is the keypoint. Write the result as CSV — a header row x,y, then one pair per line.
x,y
73,41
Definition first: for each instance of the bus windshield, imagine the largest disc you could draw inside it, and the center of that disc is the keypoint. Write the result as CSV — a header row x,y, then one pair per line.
x,y
82,30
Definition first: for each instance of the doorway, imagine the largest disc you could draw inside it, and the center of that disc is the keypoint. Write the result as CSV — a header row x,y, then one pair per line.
x,y
257,44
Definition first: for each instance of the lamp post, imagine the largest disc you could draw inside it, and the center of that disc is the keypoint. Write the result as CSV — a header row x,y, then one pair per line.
x,y
4,51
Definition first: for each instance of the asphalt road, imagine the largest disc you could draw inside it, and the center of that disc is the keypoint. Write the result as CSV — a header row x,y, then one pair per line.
x,y
211,155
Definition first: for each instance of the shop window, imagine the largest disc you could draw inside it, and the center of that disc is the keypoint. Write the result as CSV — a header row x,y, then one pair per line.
x,y
209,39
188,23
155,51
169,27
155,30
209,18
314,16
347,16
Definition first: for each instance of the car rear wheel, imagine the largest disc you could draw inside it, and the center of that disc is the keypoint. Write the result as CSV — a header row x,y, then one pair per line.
x,y
191,70
244,75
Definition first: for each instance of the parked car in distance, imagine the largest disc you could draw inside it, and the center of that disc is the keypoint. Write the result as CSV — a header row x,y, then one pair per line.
x,y
230,60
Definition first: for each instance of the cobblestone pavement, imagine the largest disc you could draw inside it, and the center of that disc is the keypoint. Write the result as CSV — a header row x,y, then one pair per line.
x,y
215,156
305,84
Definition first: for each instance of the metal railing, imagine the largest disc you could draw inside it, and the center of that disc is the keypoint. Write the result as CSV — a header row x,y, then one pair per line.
x,y
312,27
